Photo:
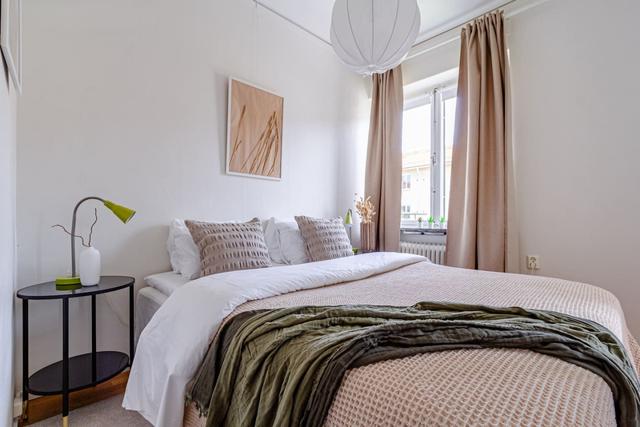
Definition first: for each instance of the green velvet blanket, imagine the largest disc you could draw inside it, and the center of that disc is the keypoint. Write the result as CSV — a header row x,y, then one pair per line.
x,y
283,366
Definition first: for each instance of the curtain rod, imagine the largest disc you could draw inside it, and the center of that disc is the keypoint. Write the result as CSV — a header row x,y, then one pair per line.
x,y
443,32
463,23
533,3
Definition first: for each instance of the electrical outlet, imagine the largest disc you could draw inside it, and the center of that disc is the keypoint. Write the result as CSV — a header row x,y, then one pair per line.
x,y
533,262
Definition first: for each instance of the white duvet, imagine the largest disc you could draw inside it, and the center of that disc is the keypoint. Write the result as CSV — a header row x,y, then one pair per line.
x,y
173,344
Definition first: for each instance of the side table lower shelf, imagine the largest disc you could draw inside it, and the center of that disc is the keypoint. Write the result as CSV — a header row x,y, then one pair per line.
x,y
108,364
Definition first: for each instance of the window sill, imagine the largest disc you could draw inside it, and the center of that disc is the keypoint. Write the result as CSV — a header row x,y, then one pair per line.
x,y
424,231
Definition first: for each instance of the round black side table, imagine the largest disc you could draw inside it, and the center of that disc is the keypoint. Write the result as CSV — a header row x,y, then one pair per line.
x,y
77,372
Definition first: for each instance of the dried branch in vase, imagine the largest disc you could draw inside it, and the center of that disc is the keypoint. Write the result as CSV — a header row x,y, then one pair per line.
x,y
95,221
78,236
365,209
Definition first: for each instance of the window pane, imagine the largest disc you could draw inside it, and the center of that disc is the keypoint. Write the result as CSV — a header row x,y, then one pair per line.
x,y
448,125
406,181
416,165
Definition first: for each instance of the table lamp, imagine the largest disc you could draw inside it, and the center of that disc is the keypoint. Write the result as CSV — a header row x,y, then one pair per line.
x,y
122,212
348,221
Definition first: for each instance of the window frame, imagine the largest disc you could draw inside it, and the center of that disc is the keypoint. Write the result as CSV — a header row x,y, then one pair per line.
x,y
436,96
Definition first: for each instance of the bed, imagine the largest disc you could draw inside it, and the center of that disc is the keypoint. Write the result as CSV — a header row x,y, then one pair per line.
x,y
461,387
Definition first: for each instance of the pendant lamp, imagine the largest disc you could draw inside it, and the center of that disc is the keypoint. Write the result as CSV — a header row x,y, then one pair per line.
x,y
373,36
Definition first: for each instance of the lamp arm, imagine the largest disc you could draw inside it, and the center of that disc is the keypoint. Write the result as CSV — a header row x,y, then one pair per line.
x,y
73,232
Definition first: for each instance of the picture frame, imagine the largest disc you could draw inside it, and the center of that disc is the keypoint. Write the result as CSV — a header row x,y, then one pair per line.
x,y
11,39
255,120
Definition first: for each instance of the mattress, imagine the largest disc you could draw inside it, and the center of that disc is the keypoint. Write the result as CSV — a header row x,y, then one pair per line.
x,y
148,301
150,298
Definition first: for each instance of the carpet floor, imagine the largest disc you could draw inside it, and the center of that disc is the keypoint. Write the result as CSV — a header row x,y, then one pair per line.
x,y
108,412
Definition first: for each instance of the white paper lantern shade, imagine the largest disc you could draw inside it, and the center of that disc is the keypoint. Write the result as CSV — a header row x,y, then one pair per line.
x,y
373,36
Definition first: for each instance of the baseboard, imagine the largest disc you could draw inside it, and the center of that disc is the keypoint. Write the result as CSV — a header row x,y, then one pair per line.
x,y
41,408
17,406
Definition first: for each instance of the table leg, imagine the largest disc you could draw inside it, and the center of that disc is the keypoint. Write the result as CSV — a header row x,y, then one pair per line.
x,y
94,371
25,357
131,328
65,362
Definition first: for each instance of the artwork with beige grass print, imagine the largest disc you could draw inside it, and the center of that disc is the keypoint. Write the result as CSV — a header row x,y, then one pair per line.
x,y
254,136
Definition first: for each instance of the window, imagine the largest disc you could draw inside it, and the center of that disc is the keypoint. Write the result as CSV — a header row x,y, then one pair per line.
x,y
427,144
406,181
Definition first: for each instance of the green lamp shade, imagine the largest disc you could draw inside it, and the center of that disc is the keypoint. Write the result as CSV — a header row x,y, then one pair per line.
x,y
122,212
348,220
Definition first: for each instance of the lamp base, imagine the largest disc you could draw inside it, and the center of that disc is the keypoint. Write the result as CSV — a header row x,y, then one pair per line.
x,y
67,280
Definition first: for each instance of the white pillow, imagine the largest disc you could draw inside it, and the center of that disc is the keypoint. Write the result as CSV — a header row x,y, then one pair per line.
x,y
167,282
272,239
183,252
284,241
171,246
292,243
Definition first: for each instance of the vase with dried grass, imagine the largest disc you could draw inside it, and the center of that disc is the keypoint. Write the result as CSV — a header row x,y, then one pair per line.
x,y
366,211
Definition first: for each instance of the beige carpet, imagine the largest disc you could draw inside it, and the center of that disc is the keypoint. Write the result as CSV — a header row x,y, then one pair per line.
x,y
108,412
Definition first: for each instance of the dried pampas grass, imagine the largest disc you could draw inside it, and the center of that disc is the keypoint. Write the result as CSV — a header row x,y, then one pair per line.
x,y
365,209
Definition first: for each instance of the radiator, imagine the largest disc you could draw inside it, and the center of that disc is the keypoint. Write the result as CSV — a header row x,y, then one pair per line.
x,y
433,251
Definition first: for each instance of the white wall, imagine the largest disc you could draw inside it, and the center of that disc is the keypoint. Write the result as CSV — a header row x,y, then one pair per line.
x,y
128,100
575,68
352,159
439,55
7,241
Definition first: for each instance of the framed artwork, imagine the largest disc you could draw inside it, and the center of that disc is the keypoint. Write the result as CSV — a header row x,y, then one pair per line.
x,y
11,38
254,132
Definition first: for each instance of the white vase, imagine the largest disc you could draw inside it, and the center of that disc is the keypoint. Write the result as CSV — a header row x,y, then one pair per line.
x,y
89,266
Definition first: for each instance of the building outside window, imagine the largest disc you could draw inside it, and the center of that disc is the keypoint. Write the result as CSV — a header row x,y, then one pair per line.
x,y
427,144
406,181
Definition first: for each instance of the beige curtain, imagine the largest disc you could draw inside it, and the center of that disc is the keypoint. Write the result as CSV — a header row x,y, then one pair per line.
x,y
477,208
383,174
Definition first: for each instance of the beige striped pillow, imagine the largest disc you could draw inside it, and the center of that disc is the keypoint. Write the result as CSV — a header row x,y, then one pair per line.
x,y
324,238
229,246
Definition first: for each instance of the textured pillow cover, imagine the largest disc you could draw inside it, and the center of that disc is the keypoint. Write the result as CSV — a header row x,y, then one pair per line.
x,y
229,246
324,238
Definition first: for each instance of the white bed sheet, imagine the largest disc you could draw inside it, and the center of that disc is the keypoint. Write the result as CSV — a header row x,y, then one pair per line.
x,y
174,342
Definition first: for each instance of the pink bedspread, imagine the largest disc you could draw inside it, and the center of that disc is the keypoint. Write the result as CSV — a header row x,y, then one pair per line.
x,y
488,387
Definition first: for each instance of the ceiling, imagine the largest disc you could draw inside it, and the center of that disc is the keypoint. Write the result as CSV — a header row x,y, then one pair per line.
x,y
437,16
